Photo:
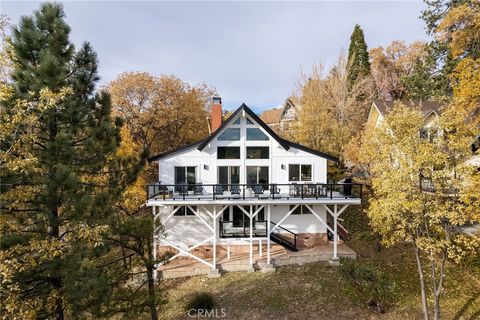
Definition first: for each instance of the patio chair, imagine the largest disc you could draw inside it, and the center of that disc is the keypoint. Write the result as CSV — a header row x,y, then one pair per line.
x,y
235,191
295,190
321,190
198,189
311,190
183,189
258,190
227,228
275,191
218,191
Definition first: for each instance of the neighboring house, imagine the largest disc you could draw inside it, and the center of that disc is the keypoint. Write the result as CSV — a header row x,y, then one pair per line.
x,y
224,199
284,118
430,110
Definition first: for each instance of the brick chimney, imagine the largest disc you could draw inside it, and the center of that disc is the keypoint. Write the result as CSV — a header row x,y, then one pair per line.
x,y
216,114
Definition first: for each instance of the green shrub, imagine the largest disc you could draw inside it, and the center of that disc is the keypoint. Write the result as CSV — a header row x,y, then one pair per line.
x,y
369,281
200,301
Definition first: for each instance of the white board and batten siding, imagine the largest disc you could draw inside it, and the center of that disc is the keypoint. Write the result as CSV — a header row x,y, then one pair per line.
x,y
190,230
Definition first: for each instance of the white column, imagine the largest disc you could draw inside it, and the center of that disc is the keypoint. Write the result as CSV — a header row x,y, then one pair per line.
x,y
335,238
228,249
214,249
259,247
154,242
268,234
251,237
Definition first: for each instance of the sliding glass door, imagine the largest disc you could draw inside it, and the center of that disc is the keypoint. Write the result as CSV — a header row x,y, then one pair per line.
x,y
228,175
257,175
185,175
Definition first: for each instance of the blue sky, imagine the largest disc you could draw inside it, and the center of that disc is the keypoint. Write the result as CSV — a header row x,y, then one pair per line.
x,y
250,52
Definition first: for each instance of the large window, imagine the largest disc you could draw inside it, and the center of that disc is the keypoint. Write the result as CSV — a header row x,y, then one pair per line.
x,y
184,211
230,134
229,175
256,134
300,172
258,152
185,175
228,153
257,175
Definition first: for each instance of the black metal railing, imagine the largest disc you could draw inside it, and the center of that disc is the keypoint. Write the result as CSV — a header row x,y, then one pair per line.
x,y
248,191
241,229
286,239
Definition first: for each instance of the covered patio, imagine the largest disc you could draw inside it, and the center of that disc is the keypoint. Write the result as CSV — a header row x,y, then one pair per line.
x,y
185,266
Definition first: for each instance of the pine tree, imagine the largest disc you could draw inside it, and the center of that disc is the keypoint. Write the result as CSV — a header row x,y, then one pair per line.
x,y
419,83
439,49
54,210
358,59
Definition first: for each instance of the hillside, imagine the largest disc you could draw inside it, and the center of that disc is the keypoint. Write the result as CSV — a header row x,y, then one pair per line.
x,y
318,291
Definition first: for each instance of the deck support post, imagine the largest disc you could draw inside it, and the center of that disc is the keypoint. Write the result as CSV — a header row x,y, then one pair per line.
x,y
214,273
250,268
259,247
335,235
214,228
228,249
154,243
268,233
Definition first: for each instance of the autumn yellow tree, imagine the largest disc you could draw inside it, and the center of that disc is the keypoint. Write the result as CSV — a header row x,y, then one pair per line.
x,y
331,108
161,113
422,192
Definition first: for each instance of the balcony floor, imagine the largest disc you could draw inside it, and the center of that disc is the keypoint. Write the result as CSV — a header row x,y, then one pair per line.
x,y
191,199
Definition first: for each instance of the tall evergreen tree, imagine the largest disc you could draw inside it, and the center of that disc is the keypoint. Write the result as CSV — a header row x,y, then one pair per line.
x,y
358,59
439,50
54,210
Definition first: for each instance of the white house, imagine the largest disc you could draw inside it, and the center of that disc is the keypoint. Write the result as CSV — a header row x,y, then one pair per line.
x,y
241,189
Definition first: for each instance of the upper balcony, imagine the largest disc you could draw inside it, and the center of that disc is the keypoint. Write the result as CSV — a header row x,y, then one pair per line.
x,y
256,193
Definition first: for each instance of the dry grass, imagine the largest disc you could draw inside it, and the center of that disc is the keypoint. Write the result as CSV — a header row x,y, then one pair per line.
x,y
317,291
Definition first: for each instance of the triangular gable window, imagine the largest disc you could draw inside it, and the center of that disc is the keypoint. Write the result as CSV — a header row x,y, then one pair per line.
x,y
237,121
249,121
255,134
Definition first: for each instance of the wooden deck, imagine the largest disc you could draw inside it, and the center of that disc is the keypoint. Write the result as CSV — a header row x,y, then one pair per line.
x,y
185,266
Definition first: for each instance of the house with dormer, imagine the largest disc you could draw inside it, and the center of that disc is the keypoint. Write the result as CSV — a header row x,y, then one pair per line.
x,y
283,118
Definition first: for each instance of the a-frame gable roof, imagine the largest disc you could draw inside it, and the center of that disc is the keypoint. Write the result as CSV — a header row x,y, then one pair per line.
x,y
284,143
255,118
